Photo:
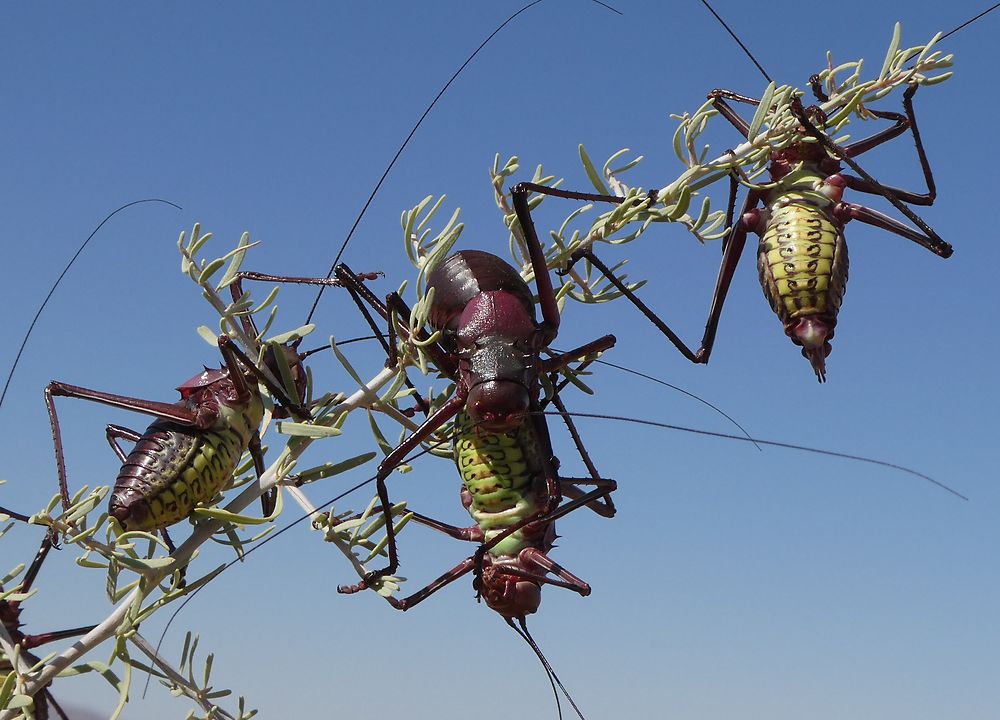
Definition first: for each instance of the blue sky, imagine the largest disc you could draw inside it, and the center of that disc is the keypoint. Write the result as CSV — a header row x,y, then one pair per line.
x,y
732,582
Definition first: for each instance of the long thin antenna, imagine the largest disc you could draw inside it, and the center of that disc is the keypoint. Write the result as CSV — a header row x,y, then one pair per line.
x,y
969,22
690,394
773,443
523,632
65,270
738,41
413,130
621,368
545,665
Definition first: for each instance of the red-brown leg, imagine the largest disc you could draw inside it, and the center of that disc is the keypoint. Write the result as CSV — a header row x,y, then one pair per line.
x,y
549,326
443,414
732,248
926,237
167,411
449,577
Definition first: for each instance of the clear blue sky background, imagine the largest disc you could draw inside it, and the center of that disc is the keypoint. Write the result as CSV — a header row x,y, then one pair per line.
x,y
732,583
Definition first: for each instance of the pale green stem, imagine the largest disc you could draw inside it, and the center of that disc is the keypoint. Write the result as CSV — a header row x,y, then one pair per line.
x,y
194,693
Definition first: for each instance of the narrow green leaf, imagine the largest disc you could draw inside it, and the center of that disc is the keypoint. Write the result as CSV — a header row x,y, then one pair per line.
x,y
294,429
225,515
890,56
292,335
762,110
346,363
936,79
379,437
209,270
595,177
197,239
397,528
7,689
140,564
94,666
235,261
330,469
19,701
681,206
208,335
208,672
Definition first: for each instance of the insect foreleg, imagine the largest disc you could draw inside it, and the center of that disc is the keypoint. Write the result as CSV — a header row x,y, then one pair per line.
x,y
394,304
928,239
603,506
560,361
731,253
362,298
719,97
639,304
473,533
33,641
36,564
236,359
549,326
443,414
463,568
236,289
816,85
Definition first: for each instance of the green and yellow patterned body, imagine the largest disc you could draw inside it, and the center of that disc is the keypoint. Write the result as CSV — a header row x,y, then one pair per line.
x,y
802,257
174,467
502,475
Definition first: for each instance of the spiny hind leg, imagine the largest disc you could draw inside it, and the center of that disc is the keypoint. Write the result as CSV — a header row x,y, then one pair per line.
x,y
167,411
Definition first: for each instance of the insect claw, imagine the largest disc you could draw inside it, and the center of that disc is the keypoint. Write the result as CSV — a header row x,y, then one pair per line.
x,y
351,589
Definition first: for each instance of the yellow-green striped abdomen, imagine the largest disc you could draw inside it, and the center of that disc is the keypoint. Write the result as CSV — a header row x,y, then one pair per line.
x,y
802,260
172,467
499,473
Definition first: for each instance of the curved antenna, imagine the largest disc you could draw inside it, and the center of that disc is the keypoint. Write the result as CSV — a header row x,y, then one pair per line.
x,y
773,443
545,665
523,632
702,400
306,353
413,130
738,41
968,22
65,270
621,368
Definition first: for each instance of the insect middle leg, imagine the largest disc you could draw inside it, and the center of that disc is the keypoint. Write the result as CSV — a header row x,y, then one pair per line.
x,y
927,237
533,555
199,420
519,194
